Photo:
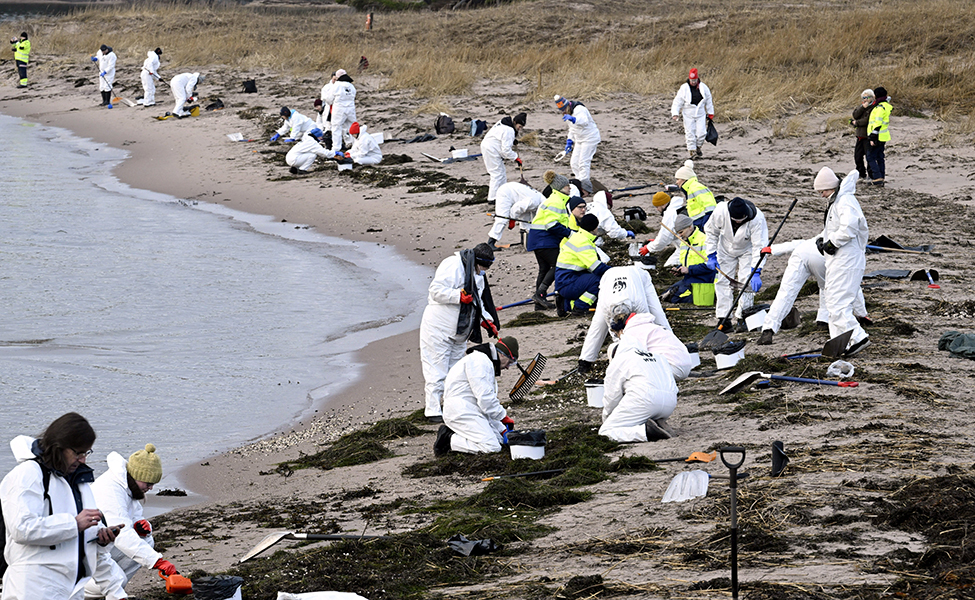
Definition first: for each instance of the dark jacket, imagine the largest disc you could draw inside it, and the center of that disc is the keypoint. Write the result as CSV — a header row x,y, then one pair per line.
x,y
861,116
470,314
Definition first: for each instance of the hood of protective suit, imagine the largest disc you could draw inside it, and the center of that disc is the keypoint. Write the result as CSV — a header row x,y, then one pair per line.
x,y
507,121
491,352
118,469
632,342
600,199
151,54
23,448
848,187
640,319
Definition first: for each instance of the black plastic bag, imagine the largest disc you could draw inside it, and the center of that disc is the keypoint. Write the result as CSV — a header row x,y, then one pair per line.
x,y
712,135
465,547
217,587
250,86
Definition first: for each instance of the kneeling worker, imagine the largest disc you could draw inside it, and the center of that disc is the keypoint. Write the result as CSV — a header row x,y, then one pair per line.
x,y
474,420
302,155
697,286
365,150
578,269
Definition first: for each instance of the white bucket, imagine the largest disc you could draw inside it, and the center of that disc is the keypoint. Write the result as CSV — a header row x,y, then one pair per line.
x,y
756,320
532,452
345,166
462,153
645,266
726,361
378,136
695,359
594,394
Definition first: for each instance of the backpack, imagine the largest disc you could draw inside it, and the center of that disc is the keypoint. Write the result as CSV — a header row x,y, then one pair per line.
x,y
250,86
634,213
3,526
444,124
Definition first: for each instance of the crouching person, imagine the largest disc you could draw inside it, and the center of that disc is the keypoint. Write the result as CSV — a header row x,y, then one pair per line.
x,y
579,268
365,150
302,155
120,493
474,420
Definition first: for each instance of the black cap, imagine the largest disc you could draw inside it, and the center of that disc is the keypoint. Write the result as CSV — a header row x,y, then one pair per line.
x,y
285,111
575,201
589,223
880,92
521,119
483,255
104,48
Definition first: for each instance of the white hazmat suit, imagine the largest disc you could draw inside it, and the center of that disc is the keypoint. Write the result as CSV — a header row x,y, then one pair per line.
x,y
440,344
365,150
695,116
517,201
660,341
106,65
608,225
846,228
340,95
303,154
182,87
296,126
639,386
622,290
113,497
738,252
471,408
150,73
42,540
585,136
496,147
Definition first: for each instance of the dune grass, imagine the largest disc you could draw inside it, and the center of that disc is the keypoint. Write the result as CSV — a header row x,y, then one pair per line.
x,y
761,61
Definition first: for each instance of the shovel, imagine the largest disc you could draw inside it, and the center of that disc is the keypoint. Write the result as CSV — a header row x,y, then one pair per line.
x,y
746,379
717,338
733,473
274,538
832,349
691,484
929,275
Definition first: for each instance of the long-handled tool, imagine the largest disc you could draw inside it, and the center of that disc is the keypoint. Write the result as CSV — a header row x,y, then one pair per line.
x,y
733,473
554,381
708,308
546,472
904,250
733,281
746,379
717,337
522,302
832,349
528,377
274,538
695,457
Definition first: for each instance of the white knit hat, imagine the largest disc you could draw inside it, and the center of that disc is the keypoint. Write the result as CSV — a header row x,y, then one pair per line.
x,y
686,172
826,179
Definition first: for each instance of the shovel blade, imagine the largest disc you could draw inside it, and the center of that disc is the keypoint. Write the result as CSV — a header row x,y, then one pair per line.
x,y
715,339
687,486
268,541
837,346
743,381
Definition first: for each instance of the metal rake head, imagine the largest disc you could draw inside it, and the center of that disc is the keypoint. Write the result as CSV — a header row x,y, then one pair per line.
x,y
528,377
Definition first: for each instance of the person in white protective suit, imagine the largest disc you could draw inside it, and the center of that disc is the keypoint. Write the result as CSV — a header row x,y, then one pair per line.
x,y
183,87
325,100
150,74
365,150
693,101
804,261
473,419
340,95
844,243
120,493
602,202
458,300
640,393
516,203
295,125
668,207
736,233
498,146
105,57
320,116
301,157
622,291
661,340
582,139
51,527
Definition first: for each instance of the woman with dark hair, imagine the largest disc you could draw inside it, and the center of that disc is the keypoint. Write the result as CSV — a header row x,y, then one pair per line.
x,y
50,517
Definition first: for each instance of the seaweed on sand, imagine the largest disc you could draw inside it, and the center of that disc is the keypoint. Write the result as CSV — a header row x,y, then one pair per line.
x,y
356,448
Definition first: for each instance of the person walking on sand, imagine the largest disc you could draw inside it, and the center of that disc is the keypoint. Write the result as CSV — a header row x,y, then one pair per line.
x,y
554,221
295,125
459,298
878,132
844,244
693,101
105,57
51,518
183,87
365,150
516,202
860,120
150,74
21,49
736,234
120,493
340,96
582,140
473,419
302,155
498,146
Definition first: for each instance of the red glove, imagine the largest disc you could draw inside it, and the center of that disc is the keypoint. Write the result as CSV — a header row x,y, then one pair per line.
x,y
465,298
348,155
508,422
710,116
165,566
142,527
511,223
766,250
644,251
491,327
520,164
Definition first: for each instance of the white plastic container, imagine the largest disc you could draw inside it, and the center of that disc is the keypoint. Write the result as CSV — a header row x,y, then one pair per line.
x,y
695,359
532,452
645,266
378,136
756,320
594,394
726,361
345,166
462,153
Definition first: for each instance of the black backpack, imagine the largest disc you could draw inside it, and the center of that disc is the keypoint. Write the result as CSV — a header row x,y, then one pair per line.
x,y
444,124
3,526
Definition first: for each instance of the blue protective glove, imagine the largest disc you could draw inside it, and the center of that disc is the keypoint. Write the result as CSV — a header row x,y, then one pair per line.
x,y
568,146
756,280
713,261
103,73
93,59
630,234
568,118
504,437
275,137
288,140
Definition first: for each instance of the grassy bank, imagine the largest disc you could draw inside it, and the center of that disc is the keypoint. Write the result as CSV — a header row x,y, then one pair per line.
x,y
760,60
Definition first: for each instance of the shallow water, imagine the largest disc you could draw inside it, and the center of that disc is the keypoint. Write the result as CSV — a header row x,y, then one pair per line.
x,y
186,325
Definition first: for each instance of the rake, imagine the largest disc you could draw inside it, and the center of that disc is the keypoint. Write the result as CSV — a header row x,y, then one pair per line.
x,y
528,377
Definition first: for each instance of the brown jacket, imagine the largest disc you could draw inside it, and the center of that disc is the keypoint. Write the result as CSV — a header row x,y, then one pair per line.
x,y
861,117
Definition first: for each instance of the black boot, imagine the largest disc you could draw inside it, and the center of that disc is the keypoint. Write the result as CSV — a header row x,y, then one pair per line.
x,y
442,445
104,99
541,303
766,338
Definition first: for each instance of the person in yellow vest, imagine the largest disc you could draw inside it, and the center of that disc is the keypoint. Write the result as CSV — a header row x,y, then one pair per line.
x,y
554,221
697,286
21,50
698,199
878,133
578,269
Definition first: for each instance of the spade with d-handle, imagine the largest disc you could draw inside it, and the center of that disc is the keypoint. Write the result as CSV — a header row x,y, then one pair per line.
x,y
733,470
717,338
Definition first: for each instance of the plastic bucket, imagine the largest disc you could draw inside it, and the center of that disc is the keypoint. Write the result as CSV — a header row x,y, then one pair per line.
x,y
345,166
756,320
378,136
532,452
695,359
594,393
462,153
726,361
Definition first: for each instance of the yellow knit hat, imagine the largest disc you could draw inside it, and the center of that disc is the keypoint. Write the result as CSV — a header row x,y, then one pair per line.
x,y
145,466
661,199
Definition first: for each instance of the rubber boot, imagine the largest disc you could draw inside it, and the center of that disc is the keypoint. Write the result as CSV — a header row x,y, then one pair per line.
x,y
766,338
104,99
541,303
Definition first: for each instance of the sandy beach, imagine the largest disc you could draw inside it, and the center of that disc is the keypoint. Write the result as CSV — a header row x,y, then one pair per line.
x,y
849,447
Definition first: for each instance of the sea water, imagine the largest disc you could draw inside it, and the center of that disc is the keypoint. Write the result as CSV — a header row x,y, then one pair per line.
x,y
184,324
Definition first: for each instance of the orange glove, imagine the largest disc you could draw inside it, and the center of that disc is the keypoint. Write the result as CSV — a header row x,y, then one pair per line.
x,y
165,566
465,298
491,328
766,250
142,527
644,251
508,422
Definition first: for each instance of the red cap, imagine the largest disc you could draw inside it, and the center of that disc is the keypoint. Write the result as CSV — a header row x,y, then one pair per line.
x,y
354,129
692,74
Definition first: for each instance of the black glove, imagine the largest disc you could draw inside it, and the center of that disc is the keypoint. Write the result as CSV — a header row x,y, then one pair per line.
x,y
584,366
819,245
829,248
